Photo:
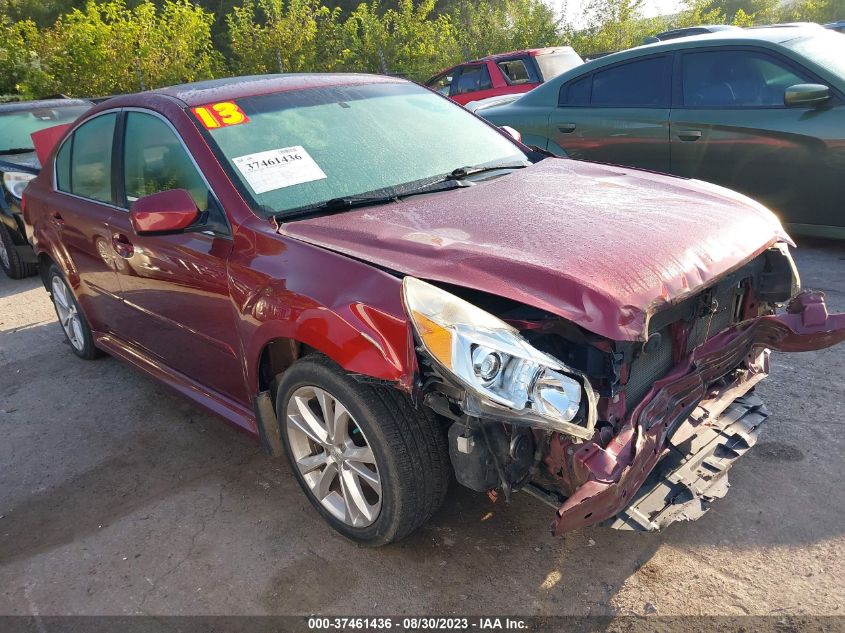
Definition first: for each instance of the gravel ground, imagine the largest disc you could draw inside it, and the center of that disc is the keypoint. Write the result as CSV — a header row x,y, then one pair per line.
x,y
118,497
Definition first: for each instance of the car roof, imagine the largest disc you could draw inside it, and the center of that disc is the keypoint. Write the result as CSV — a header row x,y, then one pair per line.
x,y
777,34
202,92
771,36
526,51
42,104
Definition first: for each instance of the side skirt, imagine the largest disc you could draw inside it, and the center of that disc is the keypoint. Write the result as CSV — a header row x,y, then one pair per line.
x,y
234,413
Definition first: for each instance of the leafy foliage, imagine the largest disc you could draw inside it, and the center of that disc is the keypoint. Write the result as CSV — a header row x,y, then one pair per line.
x,y
101,47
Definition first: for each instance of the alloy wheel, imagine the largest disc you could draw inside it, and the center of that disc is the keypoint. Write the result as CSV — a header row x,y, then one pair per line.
x,y
333,456
68,314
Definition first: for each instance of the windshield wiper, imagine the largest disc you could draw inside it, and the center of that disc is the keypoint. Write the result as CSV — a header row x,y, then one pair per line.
x,y
354,202
464,172
17,150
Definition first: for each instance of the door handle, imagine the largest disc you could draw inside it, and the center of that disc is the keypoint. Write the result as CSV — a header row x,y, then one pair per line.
x,y
566,128
57,219
122,246
689,135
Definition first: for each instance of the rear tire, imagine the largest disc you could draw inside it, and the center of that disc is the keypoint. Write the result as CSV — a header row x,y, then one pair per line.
x,y
71,319
408,465
10,259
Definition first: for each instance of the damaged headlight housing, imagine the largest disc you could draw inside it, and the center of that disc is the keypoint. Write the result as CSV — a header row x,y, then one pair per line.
x,y
494,362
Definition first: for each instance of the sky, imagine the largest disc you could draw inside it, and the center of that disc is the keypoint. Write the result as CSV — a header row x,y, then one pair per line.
x,y
574,8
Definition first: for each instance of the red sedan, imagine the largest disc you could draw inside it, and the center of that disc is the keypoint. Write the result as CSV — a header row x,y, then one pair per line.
x,y
299,255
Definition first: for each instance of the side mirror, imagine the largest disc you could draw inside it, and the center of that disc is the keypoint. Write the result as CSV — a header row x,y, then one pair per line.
x,y
169,211
514,134
806,95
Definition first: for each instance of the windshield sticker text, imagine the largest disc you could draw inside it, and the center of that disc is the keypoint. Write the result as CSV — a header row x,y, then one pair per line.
x,y
221,114
278,168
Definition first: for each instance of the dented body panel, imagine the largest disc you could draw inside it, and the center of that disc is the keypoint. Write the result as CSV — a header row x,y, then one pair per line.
x,y
601,246
609,270
610,477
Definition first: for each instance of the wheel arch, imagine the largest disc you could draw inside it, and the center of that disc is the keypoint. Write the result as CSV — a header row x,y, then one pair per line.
x,y
378,347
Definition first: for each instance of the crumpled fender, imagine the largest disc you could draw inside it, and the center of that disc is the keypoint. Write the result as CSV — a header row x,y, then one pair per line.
x,y
617,472
346,309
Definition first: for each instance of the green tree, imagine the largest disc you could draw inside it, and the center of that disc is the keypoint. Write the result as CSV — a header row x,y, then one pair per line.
x,y
486,27
276,35
107,48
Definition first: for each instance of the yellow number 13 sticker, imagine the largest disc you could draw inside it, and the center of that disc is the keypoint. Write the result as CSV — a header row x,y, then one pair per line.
x,y
221,114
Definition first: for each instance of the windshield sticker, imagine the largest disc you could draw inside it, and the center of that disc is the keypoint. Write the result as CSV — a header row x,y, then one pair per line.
x,y
221,114
278,168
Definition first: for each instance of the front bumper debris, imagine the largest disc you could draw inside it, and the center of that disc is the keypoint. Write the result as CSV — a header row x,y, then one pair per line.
x,y
694,471
615,474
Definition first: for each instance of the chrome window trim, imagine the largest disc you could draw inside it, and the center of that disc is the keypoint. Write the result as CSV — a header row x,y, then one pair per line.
x,y
67,138
179,138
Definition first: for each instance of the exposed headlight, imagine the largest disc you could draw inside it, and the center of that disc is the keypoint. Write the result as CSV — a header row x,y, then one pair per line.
x,y
496,364
16,182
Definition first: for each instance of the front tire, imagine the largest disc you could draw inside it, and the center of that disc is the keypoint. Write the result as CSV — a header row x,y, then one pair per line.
x,y
71,319
373,465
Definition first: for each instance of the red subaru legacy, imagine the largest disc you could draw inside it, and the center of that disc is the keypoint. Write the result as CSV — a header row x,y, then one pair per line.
x,y
387,290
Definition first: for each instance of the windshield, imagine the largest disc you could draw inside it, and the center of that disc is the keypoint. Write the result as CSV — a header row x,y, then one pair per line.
x,y
827,49
15,127
300,148
554,64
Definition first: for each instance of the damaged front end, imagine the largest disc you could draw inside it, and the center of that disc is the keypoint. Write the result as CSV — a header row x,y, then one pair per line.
x,y
630,434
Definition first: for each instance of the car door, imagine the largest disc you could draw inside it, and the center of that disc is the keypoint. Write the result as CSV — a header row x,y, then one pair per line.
x,y
79,211
618,114
731,127
473,83
176,285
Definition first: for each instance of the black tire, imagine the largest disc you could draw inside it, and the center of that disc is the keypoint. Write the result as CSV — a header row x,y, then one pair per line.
x,y
16,268
409,445
86,350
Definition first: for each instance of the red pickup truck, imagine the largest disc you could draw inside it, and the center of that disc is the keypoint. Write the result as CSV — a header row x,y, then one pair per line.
x,y
503,74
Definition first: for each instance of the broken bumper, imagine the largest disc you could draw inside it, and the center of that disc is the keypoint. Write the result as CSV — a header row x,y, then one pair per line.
x,y
694,470
681,406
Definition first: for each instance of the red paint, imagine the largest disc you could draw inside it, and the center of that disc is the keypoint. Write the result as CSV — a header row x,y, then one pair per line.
x,y
607,477
45,140
165,211
501,86
604,247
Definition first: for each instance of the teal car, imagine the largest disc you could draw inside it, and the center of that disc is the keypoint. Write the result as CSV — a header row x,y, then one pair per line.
x,y
760,111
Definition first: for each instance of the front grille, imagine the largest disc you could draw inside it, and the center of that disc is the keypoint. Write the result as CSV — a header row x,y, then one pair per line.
x,y
712,311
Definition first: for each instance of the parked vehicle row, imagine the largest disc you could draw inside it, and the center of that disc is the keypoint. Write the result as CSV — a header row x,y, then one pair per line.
x,y
510,73
301,256
761,111
18,165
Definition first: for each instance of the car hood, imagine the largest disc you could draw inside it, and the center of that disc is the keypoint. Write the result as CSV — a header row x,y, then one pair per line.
x,y
602,246
28,160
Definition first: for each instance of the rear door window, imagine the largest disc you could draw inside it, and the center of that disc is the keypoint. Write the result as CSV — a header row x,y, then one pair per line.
x,y
90,171
642,83
473,78
515,71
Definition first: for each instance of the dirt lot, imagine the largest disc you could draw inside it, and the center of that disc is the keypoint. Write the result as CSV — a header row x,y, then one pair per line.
x,y
117,497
